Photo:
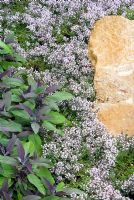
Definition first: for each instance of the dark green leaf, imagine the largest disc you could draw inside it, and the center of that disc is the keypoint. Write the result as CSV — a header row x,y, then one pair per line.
x,y
6,48
32,82
60,96
15,98
29,148
60,187
51,127
43,172
8,160
7,64
35,139
9,126
37,183
21,113
39,90
10,144
7,170
19,58
43,162
30,104
53,106
13,82
56,118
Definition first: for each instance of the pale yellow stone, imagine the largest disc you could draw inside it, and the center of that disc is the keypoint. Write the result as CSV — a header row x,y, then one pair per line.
x,y
112,41
114,84
118,118
111,51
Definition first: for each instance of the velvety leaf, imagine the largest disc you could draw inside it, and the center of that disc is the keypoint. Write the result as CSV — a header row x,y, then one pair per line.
x,y
51,89
8,160
32,83
35,126
27,109
44,110
7,99
13,82
32,197
35,139
29,148
9,126
60,186
29,167
53,106
24,134
21,113
60,96
7,64
72,190
49,186
15,98
6,47
37,183
3,85
43,172
29,95
51,127
5,114
56,118
21,152
19,195
28,90
7,170
5,73
30,104
19,58
17,91
42,162
39,90
9,39
3,140
10,144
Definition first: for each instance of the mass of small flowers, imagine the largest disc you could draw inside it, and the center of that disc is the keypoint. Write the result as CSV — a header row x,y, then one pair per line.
x,y
58,32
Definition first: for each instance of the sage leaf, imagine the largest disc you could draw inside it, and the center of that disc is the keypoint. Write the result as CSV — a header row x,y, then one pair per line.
x,y
37,183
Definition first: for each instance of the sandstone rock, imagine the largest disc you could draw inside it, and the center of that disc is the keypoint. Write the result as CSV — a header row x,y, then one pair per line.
x,y
112,41
114,84
111,51
118,118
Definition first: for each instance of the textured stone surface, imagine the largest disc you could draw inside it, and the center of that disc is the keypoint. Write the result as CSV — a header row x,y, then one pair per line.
x,y
111,51
118,118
